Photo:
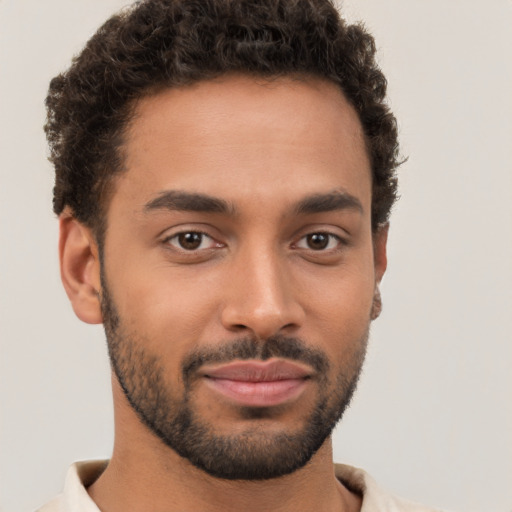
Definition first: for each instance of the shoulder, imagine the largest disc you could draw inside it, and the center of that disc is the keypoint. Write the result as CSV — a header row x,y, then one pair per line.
x,y
56,505
74,497
374,498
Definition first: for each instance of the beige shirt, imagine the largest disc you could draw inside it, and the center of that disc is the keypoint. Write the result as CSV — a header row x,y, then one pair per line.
x,y
74,498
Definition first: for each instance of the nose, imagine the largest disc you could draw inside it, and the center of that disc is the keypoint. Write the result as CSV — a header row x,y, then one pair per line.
x,y
261,298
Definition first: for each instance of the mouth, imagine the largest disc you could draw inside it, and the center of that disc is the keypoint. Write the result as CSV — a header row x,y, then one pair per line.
x,y
258,383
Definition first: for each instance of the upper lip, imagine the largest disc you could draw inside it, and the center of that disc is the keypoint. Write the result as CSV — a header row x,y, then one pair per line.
x,y
258,371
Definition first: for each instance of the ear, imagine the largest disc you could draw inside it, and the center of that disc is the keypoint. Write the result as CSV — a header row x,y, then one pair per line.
x,y
380,258
380,261
80,268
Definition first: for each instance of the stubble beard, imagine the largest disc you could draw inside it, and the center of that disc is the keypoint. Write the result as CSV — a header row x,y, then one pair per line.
x,y
254,453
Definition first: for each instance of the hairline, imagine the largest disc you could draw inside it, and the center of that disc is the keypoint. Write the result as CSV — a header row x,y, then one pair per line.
x,y
107,184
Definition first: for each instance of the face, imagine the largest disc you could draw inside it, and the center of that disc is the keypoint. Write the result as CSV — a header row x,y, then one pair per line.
x,y
239,270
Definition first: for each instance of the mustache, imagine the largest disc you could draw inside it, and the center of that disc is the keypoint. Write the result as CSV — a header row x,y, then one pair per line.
x,y
279,346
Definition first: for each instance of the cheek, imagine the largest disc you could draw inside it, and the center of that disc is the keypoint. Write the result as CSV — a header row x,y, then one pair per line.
x,y
168,309
340,295
339,309
343,321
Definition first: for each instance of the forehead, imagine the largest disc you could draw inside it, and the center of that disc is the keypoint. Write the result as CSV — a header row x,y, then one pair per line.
x,y
239,136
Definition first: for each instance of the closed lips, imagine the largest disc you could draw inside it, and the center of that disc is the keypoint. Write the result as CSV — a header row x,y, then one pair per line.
x,y
256,371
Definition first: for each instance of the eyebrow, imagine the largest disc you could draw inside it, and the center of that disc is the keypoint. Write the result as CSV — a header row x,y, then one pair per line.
x,y
176,200
320,203
188,201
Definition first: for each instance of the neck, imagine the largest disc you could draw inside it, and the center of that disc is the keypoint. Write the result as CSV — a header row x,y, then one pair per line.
x,y
144,474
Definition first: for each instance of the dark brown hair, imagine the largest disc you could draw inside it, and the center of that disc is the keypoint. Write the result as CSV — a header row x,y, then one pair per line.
x,y
170,43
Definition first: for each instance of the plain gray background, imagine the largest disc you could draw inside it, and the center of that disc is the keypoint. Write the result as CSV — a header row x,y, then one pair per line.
x,y
432,419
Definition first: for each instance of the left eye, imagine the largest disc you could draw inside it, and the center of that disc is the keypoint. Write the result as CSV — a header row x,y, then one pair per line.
x,y
191,241
319,241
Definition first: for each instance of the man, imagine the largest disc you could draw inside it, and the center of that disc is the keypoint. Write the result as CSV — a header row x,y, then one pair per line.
x,y
225,171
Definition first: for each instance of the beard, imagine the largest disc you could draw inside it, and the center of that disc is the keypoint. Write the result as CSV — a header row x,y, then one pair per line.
x,y
254,453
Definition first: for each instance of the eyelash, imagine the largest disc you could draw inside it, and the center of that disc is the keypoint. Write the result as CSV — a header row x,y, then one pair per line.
x,y
191,232
330,237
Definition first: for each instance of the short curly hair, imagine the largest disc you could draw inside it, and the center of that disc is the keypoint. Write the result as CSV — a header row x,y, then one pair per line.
x,y
157,44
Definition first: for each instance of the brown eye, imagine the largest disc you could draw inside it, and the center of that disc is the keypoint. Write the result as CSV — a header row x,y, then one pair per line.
x,y
190,241
317,241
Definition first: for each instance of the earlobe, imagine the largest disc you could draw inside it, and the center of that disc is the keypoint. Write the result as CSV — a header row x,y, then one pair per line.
x,y
376,304
80,268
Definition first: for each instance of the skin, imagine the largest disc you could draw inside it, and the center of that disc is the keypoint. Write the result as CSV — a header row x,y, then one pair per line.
x,y
262,148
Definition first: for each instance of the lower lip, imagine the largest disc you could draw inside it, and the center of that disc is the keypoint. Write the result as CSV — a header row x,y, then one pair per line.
x,y
258,394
